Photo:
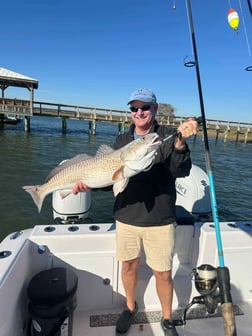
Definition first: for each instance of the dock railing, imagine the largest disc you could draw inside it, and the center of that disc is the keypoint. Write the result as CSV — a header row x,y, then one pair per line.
x,y
80,112
225,129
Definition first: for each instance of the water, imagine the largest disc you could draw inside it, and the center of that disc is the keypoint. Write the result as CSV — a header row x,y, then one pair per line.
x,y
27,158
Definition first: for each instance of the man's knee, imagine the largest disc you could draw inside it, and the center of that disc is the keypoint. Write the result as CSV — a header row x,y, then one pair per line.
x,y
130,265
163,276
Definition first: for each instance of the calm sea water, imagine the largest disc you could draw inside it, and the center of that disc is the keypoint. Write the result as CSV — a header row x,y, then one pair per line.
x,y
27,158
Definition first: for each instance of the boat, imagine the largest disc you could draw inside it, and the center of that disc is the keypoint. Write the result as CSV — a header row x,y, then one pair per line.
x,y
63,278
12,119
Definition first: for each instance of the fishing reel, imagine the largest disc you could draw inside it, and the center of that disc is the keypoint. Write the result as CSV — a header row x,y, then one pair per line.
x,y
206,283
205,278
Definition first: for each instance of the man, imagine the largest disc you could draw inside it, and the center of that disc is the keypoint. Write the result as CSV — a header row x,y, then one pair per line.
x,y
145,210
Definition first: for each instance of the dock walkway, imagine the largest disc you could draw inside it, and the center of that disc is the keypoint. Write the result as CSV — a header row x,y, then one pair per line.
x,y
218,129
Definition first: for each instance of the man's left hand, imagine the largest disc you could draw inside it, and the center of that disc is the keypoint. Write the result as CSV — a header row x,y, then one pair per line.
x,y
187,129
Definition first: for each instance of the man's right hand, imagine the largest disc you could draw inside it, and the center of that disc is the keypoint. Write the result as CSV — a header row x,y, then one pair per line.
x,y
80,187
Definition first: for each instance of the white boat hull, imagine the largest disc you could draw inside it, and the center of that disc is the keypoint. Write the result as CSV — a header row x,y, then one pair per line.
x,y
89,250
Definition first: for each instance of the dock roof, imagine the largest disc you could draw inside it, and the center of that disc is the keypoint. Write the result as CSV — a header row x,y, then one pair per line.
x,y
11,78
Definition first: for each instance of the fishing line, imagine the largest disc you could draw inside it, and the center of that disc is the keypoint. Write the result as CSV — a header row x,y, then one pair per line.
x,y
248,68
245,28
190,63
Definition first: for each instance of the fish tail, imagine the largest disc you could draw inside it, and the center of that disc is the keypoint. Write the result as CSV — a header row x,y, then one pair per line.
x,y
36,195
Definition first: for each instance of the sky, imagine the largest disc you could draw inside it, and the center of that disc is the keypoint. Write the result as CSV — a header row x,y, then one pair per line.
x,y
95,53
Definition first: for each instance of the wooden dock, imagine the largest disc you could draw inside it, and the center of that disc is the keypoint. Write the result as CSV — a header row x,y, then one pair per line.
x,y
217,129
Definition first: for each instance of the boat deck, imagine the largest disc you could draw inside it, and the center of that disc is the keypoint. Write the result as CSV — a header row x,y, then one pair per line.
x,y
211,325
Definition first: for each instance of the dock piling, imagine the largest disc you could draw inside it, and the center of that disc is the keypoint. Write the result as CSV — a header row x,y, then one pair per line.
x,y
27,123
64,125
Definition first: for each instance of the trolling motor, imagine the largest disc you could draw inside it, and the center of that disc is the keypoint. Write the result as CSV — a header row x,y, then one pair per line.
x,y
206,283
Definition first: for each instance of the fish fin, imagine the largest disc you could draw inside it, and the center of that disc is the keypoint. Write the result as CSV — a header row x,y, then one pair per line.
x,y
67,163
120,186
104,149
118,174
65,193
36,195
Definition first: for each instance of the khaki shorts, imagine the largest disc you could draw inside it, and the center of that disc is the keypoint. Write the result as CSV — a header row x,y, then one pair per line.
x,y
157,241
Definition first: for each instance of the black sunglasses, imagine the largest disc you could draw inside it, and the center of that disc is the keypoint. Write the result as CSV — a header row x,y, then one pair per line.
x,y
143,108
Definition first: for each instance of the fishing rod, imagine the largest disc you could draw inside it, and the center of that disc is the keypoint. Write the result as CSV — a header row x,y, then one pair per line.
x,y
222,271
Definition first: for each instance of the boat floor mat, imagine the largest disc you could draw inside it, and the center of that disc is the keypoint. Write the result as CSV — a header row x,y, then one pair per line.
x,y
106,320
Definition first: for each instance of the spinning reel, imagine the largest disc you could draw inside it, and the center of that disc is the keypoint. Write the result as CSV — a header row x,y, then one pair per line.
x,y
206,283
